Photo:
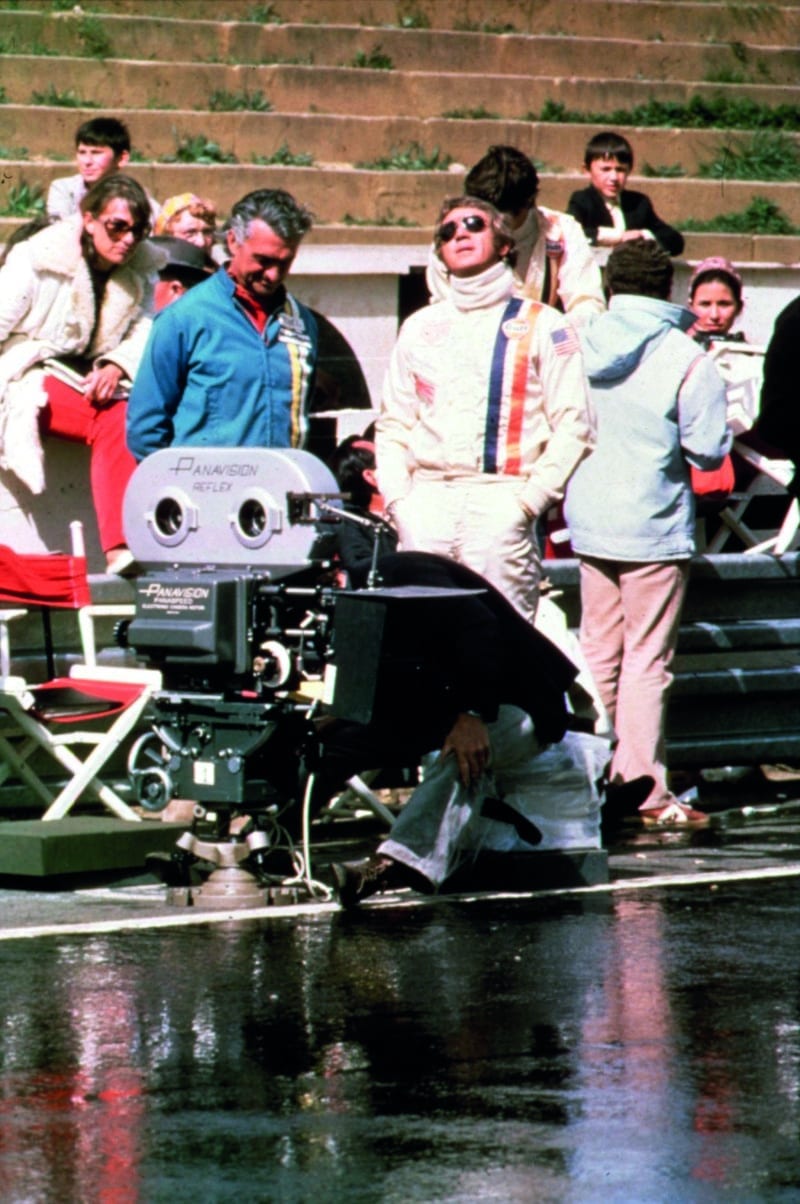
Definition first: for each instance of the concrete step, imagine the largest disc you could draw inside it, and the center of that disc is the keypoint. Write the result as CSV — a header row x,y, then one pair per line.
x,y
144,37
653,20
292,88
780,636
397,196
732,588
352,139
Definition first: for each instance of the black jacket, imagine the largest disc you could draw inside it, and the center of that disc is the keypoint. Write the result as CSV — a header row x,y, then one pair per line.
x,y
355,543
438,658
483,648
779,418
588,207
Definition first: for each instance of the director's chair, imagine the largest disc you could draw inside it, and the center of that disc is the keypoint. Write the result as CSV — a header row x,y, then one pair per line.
x,y
772,479
51,717
741,366
51,581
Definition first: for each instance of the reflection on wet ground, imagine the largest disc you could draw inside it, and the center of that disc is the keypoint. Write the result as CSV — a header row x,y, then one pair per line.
x,y
629,1045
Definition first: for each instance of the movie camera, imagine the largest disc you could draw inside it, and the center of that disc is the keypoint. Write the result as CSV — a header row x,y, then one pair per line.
x,y
237,609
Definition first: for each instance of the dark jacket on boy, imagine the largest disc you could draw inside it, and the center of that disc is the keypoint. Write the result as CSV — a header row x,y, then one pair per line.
x,y
587,206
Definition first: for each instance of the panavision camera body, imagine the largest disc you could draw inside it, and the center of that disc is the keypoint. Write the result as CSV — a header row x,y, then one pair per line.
x,y
233,609
217,531
238,610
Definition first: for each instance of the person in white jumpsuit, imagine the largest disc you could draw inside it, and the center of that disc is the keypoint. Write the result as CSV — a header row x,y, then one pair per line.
x,y
485,412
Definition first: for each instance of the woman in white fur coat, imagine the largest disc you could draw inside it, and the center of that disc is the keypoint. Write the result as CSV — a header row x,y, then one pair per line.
x,y
79,292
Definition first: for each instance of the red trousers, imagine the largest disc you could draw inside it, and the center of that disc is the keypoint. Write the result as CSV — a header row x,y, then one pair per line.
x,y
101,428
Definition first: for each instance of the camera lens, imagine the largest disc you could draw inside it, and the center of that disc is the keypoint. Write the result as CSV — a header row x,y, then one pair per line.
x,y
168,516
252,518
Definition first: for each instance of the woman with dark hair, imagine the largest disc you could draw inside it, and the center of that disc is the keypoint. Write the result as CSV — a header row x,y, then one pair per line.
x,y
715,297
73,300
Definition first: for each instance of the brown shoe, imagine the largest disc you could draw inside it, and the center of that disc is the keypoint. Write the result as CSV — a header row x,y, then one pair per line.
x,y
357,880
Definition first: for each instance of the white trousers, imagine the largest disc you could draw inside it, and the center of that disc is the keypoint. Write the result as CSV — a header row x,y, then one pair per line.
x,y
477,521
555,788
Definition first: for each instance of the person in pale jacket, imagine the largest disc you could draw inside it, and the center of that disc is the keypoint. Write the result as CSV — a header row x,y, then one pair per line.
x,y
78,292
660,407
485,411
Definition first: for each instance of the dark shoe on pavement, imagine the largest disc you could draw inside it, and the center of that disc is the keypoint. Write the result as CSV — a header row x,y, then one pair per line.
x,y
357,880
622,801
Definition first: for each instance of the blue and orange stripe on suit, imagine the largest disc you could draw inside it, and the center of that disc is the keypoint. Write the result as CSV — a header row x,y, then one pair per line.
x,y
508,382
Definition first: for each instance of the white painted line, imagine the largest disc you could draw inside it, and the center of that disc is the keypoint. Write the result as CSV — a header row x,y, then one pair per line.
x,y
184,917
619,885
192,916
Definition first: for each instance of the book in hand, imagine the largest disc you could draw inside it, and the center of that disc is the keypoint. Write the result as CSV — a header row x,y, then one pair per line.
x,y
77,380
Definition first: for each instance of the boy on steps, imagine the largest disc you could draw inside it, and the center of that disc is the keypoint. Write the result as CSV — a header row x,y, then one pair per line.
x,y
609,212
102,148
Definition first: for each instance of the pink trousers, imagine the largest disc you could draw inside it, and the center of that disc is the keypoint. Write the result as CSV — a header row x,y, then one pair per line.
x,y
629,629
101,428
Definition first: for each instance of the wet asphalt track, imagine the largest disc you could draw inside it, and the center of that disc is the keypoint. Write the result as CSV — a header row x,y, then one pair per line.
x,y
639,1042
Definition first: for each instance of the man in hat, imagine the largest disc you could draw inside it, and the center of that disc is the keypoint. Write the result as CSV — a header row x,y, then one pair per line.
x,y
186,266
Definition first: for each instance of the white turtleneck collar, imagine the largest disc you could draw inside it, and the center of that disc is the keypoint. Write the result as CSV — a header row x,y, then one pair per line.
x,y
470,292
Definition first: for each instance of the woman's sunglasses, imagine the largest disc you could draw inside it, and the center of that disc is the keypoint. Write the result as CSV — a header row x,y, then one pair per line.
x,y
117,229
473,222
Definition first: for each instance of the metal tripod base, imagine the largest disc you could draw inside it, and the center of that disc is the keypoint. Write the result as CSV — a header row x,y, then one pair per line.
x,y
230,885
226,887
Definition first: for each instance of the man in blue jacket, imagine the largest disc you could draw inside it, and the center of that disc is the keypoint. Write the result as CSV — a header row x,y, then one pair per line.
x,y
232,365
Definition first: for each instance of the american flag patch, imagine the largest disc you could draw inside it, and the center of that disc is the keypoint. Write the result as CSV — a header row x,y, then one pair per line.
x,y
565,341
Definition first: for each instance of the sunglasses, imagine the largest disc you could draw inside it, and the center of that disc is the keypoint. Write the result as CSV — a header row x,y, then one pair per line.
x,y
473,223
117,229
